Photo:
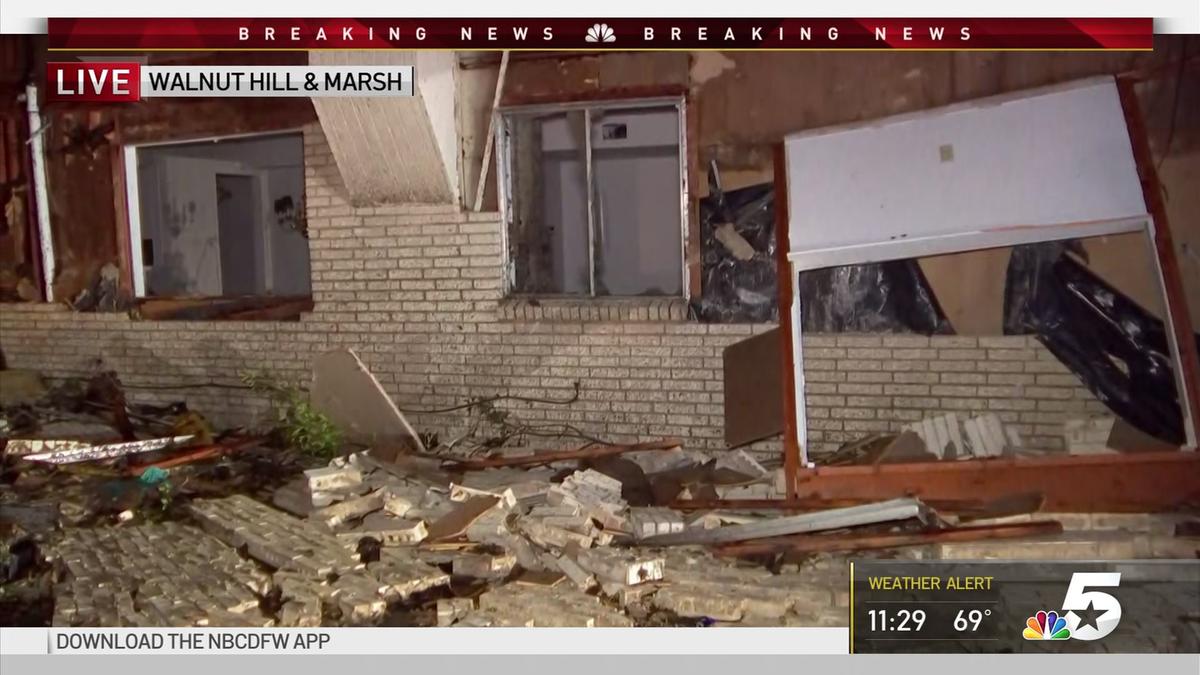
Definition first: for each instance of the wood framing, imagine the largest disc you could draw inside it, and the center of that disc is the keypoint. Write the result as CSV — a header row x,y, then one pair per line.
x,y
787,332
1137,168
1178,319
1149,481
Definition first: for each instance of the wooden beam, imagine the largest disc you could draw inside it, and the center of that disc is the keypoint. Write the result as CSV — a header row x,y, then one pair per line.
x,y
481,185
1134,482
1178,316
855,541
791,445
125,244
254,307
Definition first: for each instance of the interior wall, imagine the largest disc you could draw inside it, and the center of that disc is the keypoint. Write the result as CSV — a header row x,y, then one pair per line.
x,y
87,211
197,251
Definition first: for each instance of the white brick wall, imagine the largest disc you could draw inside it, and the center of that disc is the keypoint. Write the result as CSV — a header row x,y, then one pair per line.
x,y
415,290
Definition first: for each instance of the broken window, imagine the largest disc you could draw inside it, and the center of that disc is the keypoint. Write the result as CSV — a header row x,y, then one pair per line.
x,y
594,199
219,218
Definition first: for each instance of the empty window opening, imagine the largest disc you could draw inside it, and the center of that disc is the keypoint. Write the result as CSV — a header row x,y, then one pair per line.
x,y
594,199
220,218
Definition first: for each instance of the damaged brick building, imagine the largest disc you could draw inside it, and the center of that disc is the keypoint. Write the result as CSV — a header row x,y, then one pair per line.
x,y
406,271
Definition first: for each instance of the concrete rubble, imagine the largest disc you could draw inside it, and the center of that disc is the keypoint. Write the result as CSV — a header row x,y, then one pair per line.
x,y
591,537
156,575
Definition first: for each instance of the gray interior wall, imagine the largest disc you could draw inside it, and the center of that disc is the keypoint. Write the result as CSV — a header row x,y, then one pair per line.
x,y
565,212
289,248
638,222
241,242
637,202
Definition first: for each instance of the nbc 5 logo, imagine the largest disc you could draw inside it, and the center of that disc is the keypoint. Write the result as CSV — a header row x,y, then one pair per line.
x,y
1092,614
1089,615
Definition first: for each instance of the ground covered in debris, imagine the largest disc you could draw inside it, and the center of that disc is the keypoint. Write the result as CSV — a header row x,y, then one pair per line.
x,y
115,514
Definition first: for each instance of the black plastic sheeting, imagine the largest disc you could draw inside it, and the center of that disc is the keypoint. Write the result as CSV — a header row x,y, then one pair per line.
x,y
887,297
1112,344
736,290
877,297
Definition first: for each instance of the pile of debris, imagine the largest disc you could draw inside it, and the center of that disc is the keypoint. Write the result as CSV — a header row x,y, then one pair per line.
x,y
152,518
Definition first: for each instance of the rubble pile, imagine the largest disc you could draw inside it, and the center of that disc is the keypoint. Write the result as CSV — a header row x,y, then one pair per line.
x,y
158,574
146,516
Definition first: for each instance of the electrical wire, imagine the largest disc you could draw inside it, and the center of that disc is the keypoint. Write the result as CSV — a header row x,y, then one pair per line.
x,y
493,399
425,411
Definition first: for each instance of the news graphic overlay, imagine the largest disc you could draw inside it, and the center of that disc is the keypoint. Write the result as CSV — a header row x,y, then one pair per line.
x,y
600,33
1025,607
112,82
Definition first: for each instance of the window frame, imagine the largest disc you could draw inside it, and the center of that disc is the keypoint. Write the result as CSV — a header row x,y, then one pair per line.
x,y
504,187
133,208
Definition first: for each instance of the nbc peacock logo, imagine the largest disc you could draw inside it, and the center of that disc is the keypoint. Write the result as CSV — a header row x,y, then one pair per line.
x,y
600,32
1046,626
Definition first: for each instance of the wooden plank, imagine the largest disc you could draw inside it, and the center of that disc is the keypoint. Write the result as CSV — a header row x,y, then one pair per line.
x,y
455,523
863,542
1150,481
344,389
791,437
592,452
491,134
234,308
753,389
125,250
1187,373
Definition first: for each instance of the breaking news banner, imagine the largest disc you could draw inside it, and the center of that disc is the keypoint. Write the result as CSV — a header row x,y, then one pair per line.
x,y
150,34
128,82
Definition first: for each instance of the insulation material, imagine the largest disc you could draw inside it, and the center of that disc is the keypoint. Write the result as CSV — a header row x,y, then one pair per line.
x,y
1116,347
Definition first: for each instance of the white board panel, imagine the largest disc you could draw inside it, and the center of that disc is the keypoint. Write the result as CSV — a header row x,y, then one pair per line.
x,y
930,182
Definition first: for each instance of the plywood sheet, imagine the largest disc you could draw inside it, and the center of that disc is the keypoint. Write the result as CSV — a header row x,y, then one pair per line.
x,y
969,287
345,390
753,389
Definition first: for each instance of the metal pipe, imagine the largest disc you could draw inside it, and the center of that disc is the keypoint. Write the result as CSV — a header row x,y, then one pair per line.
x,y
832,519
40,191
591,199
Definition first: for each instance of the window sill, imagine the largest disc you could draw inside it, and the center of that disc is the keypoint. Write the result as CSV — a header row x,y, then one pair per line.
x,y
659,308
241,308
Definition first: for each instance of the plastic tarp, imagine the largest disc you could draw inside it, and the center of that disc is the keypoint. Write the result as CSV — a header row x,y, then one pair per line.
x,y
740,282
737,289
887,297
1119,351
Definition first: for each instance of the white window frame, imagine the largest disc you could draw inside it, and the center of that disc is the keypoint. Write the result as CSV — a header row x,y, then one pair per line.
x,y
504,184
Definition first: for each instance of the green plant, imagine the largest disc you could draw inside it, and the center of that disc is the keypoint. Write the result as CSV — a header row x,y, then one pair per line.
x,y
307,429
165,495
